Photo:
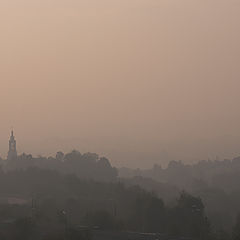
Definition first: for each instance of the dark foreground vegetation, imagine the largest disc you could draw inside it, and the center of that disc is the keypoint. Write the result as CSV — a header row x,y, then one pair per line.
x,y
216,182
47,202
80,196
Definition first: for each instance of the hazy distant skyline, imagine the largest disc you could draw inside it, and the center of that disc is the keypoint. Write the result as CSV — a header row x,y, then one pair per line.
x,y
134,80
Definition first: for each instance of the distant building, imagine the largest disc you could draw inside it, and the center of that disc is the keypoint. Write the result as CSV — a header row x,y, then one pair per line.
x,y
12,153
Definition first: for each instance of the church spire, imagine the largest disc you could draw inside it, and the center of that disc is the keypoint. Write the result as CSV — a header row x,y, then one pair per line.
x,y
12,153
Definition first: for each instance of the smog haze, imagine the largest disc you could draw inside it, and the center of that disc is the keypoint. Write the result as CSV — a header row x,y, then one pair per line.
x,y
138,81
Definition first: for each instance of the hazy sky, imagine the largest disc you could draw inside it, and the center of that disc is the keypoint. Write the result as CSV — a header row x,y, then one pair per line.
x,y
139,81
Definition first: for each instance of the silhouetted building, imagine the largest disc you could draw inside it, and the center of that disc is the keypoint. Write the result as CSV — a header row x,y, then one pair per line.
x,y
12,153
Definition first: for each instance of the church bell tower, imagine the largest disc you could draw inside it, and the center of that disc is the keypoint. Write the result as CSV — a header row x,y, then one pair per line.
x,y
12,153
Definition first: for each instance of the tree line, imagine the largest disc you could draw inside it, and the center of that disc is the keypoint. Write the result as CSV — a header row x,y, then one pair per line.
x,y
53,198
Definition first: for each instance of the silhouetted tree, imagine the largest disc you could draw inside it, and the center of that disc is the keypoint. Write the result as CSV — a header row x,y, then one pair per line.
x,y
189,217
236,229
